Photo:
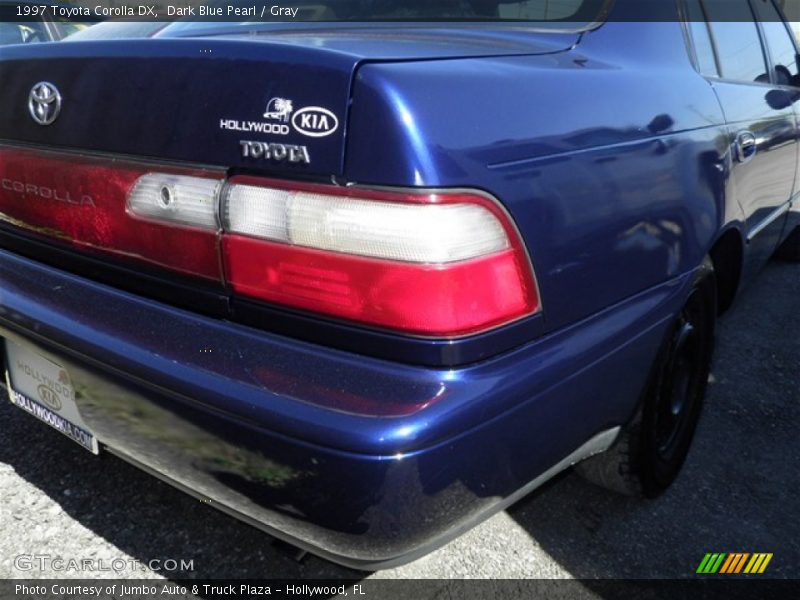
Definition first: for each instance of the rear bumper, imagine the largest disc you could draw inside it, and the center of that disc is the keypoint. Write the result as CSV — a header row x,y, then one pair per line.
x,y
364,462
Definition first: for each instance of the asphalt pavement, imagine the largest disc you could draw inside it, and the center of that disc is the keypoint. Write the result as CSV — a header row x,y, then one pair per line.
x,y
737,493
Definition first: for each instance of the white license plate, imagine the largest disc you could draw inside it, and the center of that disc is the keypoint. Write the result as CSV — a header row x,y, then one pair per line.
x,y
43,389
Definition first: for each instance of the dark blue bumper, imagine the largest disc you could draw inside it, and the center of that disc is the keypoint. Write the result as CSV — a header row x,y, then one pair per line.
x,y
365,462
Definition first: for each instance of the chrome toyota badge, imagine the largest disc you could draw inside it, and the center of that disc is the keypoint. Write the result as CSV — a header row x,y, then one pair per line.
x,y
44,103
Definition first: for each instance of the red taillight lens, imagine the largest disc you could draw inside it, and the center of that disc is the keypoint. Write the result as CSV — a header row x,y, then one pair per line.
x,y
425,299
84,202
429,264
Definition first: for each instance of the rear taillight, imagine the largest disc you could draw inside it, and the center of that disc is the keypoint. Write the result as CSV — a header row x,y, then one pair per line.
x,y
436,264
114,207
439,264
178,199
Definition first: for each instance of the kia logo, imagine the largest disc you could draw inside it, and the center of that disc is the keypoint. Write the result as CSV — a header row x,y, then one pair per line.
x,y
314,121
49,397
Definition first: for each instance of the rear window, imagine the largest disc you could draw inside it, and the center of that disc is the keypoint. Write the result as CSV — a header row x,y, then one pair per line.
x,y
23,33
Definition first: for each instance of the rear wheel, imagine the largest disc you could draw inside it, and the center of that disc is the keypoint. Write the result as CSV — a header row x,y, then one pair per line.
x,y
789,250
650,451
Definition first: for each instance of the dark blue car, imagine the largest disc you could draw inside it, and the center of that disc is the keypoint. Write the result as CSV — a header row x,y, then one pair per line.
x,y
367,275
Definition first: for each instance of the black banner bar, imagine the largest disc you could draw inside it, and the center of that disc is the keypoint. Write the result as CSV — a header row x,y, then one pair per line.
x,y
391,589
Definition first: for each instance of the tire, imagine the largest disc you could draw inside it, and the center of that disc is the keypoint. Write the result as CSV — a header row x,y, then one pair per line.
x,y
651,449
789,250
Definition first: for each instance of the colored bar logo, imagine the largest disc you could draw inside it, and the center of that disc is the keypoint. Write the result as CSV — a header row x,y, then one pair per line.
x,y
734,563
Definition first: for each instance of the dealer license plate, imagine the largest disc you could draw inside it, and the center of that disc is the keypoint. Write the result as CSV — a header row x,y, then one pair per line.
x,y
43,389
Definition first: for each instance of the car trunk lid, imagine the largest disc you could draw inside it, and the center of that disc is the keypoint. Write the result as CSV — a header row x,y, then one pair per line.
x,y
201,100
182,100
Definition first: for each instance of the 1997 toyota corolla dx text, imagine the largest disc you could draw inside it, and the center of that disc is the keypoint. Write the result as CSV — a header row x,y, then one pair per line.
x,y
363,284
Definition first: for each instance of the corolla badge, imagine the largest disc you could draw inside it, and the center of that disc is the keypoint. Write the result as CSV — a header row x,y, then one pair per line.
x,y
44,103
315,121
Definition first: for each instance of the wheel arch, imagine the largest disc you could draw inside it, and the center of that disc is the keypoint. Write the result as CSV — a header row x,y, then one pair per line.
x,y
727,256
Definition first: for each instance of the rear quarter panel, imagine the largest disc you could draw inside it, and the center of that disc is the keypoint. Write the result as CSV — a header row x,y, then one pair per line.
x,y
611,157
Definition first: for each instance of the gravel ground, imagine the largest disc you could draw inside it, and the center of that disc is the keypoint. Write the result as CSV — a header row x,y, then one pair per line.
x,y
736,493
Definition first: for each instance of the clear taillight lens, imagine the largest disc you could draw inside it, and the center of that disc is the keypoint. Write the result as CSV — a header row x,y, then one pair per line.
x,y
409,232
177,199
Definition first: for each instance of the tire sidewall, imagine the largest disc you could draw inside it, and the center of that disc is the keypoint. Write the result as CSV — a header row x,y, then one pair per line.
x,y
655,469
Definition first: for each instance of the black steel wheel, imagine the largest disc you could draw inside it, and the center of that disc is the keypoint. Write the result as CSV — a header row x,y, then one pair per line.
x,y
651,450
